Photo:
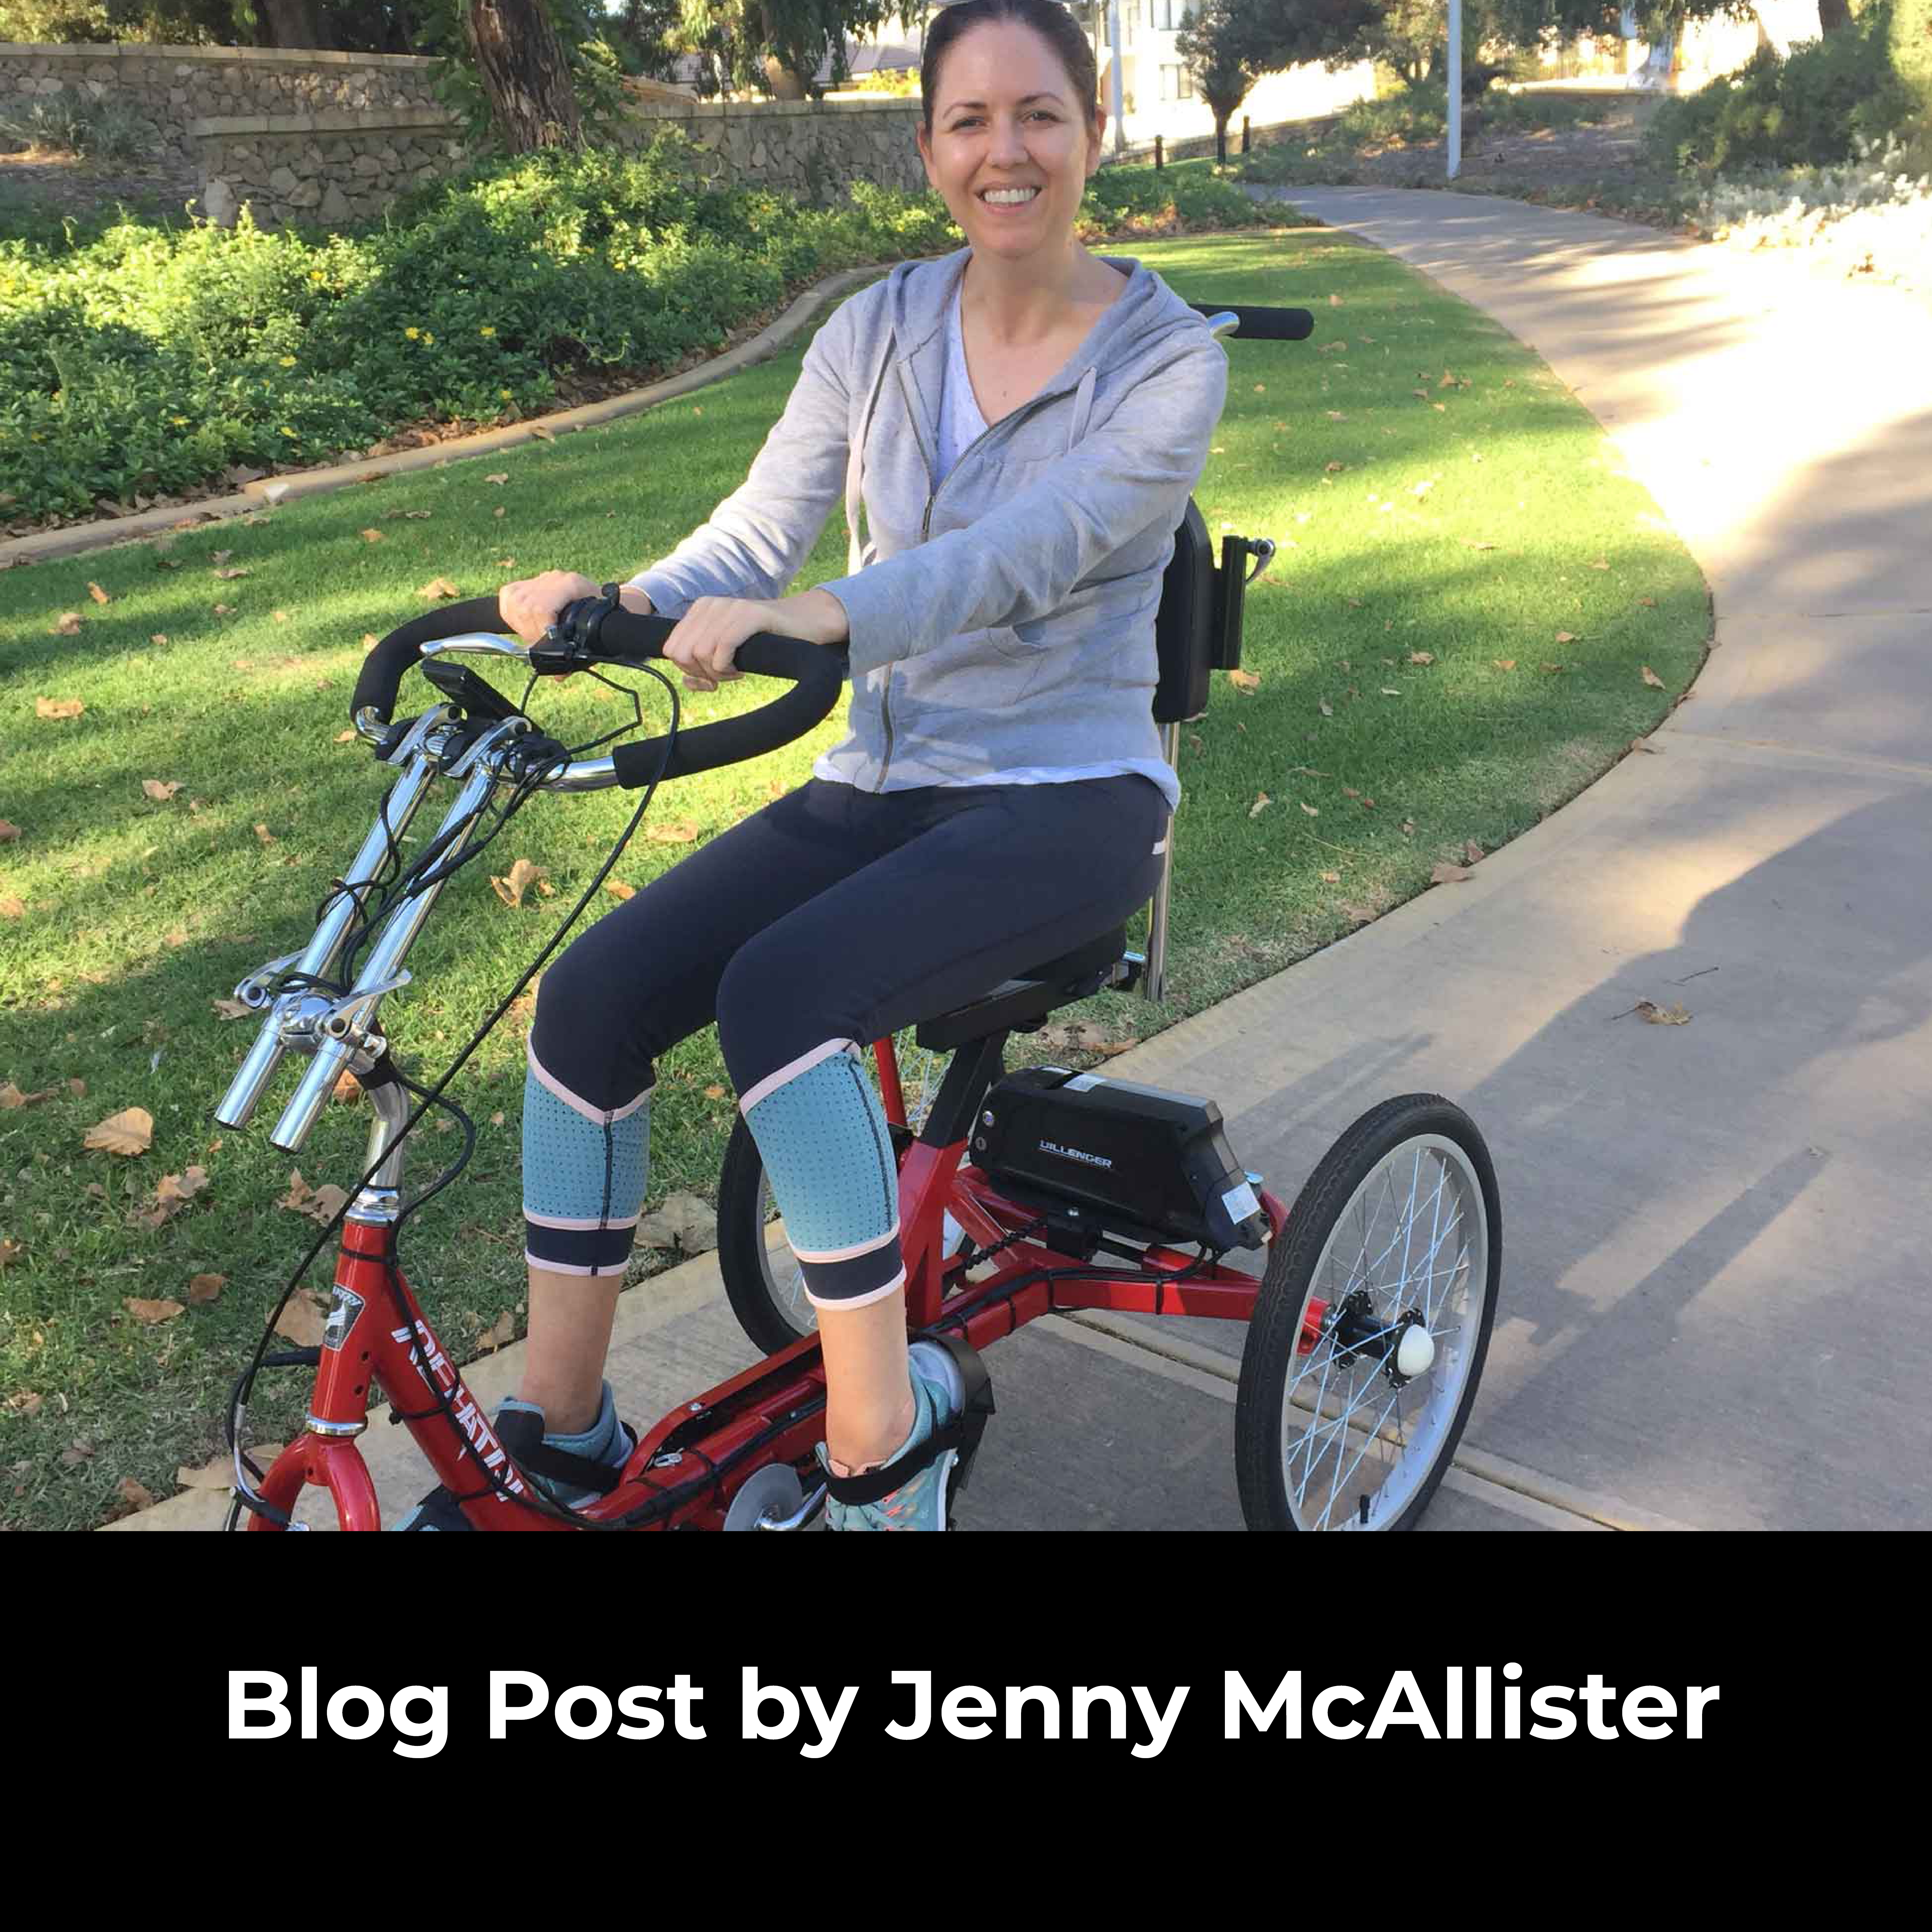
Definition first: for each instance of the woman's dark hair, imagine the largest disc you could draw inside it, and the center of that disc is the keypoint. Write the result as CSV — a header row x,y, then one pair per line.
x,y
1053,22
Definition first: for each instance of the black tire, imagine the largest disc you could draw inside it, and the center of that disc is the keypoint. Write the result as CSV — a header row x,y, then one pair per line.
x,y
1262,1422
757,1298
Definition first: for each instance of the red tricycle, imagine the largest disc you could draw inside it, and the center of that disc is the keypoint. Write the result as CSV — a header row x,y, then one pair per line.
x,y
1040,1190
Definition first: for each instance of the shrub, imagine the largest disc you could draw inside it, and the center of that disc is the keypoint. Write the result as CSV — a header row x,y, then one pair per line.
x,y
1912,55
73,122
138,359
1808,111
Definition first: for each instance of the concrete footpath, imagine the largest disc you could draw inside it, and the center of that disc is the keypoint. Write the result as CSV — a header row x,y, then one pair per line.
x,y
1715,1235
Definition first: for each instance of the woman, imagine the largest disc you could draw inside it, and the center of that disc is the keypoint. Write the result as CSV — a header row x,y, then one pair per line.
x,y
1020,425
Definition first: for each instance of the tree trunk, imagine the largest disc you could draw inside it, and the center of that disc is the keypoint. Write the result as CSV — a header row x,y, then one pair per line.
x,y
1833,14
524,71
1220,140
296,23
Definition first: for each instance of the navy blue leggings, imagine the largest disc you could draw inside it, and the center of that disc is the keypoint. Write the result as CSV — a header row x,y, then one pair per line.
x,y
830,918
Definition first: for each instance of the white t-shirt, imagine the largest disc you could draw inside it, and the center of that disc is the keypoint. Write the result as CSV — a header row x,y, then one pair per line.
x,y
961,425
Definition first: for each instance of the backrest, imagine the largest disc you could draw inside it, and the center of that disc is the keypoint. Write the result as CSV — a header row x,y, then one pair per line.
x,y
1183,625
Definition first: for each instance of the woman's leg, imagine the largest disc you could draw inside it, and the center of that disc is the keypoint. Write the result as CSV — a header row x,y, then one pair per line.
x,y
643,978
981,884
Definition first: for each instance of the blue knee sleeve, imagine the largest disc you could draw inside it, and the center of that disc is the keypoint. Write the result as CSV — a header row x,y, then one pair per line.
x,y
585,1169
828,1154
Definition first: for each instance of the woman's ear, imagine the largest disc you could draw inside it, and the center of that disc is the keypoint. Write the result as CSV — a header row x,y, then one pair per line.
x,y
1096,141
925,155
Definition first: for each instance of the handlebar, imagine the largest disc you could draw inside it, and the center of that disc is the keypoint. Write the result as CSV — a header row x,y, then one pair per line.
x,y
817,674
1258,325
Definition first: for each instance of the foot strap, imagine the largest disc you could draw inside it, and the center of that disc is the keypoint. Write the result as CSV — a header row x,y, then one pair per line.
x,y
521,1432
962,1433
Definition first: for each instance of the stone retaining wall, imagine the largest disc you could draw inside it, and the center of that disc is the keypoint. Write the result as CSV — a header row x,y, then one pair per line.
x,y
337,168
174,87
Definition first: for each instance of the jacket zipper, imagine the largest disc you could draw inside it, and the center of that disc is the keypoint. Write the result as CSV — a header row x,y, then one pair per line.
x,y
925,531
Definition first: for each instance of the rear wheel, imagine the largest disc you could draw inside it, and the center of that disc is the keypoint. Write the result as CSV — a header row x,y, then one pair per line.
x,y
1371,1325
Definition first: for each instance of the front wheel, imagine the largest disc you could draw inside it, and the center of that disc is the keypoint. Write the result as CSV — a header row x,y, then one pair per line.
x,y
1371,1325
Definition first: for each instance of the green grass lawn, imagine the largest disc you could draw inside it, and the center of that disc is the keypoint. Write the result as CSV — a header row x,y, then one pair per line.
x,y
1451,642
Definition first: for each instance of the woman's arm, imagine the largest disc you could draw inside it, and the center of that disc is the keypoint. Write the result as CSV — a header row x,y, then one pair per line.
x,y
753,544
1022,560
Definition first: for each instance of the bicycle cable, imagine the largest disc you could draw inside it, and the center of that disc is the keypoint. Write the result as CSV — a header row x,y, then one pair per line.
x,y
526,788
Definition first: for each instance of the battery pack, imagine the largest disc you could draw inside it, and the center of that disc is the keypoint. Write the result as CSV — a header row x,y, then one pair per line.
x,y
1136,1159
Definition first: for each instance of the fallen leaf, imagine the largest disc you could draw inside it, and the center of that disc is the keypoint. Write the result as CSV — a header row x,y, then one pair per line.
x,y
498,476
1447,874
671,832
99,596
683,1221
714,1092
302,1322
8,831
1553,667
438,587
1327,710
550,436
372,536
152,1311
346,1088
1262,803
1332,468
1652,678
1389,691
1408,828
503,1333
78,1451
134,1496
203,1288
224,610
1473,852
163,789
129,1132
11,908
220,555
67,624
24,1402
235,571
523,875
263,832
1422,489
1313,811
498,511
1566,636
1600,564
58,707
1422,657
232,1009
1504,664
1644,745
1331,878
11,1096
347,737
1244,680
11,1251
618,889
1648,603
1663,1015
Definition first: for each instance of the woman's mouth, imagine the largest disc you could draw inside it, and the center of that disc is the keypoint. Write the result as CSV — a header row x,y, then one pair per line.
x,y
1008,197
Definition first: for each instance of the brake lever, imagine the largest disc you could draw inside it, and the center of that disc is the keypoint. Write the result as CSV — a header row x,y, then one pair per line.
x,y
569,645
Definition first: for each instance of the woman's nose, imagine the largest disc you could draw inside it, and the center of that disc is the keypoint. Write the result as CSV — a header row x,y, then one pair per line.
x,y
1006,147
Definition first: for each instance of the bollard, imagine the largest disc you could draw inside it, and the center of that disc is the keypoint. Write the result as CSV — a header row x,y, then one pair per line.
x,y
1244,133
1160,160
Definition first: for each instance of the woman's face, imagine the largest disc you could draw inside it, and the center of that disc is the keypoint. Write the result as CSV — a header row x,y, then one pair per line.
x,y
1010,149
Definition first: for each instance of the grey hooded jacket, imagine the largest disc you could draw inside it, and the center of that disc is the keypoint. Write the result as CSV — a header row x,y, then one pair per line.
x,y
1004,618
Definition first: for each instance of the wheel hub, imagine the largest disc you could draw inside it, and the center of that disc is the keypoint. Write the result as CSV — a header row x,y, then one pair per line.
x,y
1404,1347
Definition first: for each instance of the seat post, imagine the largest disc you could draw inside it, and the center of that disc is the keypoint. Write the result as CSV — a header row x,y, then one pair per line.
x,y
1153,980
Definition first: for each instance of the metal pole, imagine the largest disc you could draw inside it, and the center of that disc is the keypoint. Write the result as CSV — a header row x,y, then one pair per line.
x,y
1114,107
1153,980
1455,88
1158,162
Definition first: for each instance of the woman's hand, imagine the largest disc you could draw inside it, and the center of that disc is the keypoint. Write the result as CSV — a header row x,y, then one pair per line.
x,y
531,604
706,639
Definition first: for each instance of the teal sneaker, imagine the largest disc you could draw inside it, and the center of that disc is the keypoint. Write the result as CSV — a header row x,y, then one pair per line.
x,y
952,1399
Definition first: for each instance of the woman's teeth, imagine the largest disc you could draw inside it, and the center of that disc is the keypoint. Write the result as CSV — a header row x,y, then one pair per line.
x,y
1009,197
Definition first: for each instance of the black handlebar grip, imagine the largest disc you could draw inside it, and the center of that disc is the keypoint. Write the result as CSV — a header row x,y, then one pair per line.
x,y
818,672
381,676
1264,325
